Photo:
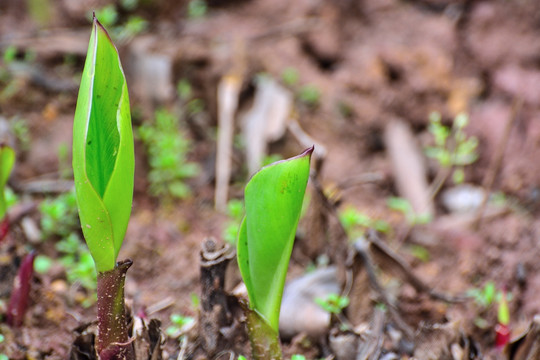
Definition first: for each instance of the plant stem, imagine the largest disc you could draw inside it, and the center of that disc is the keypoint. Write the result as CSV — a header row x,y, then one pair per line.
x,y
264,340
112,339
18,302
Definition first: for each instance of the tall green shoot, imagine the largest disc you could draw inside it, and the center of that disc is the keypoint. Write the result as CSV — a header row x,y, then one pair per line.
x,y
273,203
7,159
103,169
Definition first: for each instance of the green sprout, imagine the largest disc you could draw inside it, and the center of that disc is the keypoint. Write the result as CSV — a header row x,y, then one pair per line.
x,y
309,95
197,9
404,206
290,76
333,303
59,216
356,223
235,211
103,169
179,324
453,149
167,147
273,202
7,160
486,296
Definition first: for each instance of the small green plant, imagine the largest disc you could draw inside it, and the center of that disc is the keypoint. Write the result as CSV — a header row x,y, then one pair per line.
x,y
19,126
197,9
309,95
235,211
356,223
298,357
103,169
405,207
486,296
333,303
290,76
179,323
59,216
7,159
273,202
453,149
167,147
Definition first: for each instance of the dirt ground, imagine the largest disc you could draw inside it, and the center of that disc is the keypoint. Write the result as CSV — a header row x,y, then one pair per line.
x,y
375,63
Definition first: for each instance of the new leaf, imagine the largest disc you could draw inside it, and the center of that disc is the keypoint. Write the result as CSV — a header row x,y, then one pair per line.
x,y
273,202
103,156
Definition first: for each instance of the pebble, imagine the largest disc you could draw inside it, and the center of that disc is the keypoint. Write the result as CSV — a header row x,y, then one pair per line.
x,y
299,312
462,199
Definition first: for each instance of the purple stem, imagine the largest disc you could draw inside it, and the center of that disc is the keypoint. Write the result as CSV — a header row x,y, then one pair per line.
x,y
18,302
112,339
4,228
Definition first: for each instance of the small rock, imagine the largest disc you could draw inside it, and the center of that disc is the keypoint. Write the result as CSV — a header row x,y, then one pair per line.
x,y
31,230
299,312
464,198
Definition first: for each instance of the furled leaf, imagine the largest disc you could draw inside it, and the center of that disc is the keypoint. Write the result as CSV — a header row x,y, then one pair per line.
x,y
273,202
103,157
7,159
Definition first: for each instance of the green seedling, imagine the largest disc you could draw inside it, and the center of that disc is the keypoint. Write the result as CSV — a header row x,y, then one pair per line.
x,y
273,202
356,223
333,303
452,149
484,297
309,95
19,126
179,324
197,9
59,216
103,169
7,159
167,148
235,211
404,206
290,76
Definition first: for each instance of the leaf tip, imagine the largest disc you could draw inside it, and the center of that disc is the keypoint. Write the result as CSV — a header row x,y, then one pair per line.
x,y
308,151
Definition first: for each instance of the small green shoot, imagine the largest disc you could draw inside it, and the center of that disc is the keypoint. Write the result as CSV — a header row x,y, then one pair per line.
x,y
167,147
298,357
403,206
309,95
273,202
356,223
486,296
184,89
19,126
59,216
7,160
452,149
333,303
290,76
179,324
419,252
197,9
235,211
